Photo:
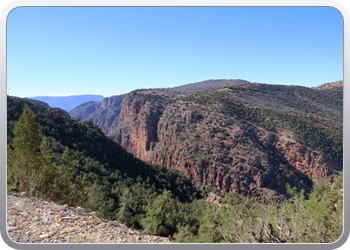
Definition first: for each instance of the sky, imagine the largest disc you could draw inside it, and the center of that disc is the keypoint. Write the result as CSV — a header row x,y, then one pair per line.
x,y
59,51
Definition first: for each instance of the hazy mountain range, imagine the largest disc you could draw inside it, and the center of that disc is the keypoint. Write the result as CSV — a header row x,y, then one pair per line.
x,y
67,103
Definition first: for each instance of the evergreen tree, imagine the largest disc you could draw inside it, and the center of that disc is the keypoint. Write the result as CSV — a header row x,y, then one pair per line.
x,y
63,182
46,174
24,153
161,215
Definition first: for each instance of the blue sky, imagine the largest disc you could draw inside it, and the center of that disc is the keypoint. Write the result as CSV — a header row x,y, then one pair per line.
x,y
113,50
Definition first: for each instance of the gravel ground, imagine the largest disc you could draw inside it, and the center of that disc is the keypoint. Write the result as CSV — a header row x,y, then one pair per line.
x,y
33,220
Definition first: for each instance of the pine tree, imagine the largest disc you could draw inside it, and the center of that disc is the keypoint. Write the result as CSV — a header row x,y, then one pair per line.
x,y
46,174
63,182
161,215
24,153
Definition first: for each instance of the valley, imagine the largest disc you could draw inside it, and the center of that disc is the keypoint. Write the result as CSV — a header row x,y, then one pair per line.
x,y
178,162
234,135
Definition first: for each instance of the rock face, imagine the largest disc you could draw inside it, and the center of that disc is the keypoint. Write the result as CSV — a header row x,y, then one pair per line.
x,y
247,139
104,114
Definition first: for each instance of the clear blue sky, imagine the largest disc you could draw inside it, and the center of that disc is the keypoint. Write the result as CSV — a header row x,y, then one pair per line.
x,y
113,50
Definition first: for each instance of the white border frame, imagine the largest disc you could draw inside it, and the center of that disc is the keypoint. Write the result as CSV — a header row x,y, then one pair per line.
x,y
224,3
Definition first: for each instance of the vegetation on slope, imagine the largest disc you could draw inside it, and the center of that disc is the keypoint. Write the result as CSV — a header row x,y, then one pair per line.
x,y
238,219
57,158
248,138
298,109
61,159
207,85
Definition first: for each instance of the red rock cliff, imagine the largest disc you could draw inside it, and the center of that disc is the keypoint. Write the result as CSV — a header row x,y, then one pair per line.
x,y
224,152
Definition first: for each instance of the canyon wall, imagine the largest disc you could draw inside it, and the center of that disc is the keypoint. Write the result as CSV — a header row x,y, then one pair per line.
x,y
211,149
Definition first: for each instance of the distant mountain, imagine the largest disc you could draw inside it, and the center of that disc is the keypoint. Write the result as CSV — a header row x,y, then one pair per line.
x,y
39,102
104,114
67,103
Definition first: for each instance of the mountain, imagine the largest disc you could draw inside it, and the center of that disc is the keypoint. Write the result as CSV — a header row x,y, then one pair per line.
x,y
75,163
104,113
39,102
246,138
256,138
67,103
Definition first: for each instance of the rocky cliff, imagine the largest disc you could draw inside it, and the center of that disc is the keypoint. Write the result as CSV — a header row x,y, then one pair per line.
x,y
104,114
250,139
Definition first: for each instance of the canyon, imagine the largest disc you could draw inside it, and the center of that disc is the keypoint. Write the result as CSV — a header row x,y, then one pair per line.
x,y
238,137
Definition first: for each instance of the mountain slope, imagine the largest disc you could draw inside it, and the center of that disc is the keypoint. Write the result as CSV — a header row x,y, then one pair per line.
x,y
207,85
247,138
67,103
104,114
336,88
79,165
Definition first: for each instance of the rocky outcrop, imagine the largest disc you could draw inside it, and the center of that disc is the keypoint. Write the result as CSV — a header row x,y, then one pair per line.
x,y
113,101
137,131
214,149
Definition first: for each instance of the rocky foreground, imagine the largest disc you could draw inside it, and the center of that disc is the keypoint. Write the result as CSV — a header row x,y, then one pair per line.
x,y
33,220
